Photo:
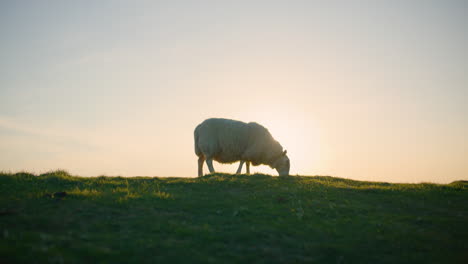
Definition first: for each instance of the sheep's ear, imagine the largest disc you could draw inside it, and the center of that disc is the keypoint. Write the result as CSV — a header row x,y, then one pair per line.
x,y
284,152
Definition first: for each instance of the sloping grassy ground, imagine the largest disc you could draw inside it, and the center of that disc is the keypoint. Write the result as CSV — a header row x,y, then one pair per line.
x,y
229,219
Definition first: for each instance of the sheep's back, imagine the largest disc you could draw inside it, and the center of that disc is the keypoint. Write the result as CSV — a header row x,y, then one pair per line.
x,y
224,140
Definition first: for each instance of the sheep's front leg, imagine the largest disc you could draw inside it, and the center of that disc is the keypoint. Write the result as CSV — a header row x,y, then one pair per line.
x,y
239,170
247,165
209,162
201,159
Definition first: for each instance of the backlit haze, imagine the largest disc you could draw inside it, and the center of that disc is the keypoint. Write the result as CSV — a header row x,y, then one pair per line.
x,y
367,90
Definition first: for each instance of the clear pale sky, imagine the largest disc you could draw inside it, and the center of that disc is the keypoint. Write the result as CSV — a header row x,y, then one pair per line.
x,y
367,90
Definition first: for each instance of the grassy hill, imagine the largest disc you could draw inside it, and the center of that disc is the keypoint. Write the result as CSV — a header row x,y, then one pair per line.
x,y
229,219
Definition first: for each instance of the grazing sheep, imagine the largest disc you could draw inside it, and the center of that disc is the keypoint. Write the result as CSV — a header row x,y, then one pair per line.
x,y
228,141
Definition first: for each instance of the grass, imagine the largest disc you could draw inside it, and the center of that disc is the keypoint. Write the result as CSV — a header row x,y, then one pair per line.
x,y
229,219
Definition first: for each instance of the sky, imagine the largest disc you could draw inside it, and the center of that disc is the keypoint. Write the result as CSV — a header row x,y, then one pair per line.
x,y
366,90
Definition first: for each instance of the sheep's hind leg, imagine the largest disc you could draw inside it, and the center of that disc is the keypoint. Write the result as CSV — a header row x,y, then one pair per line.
x,y
209,162
239,170
247,166
201,159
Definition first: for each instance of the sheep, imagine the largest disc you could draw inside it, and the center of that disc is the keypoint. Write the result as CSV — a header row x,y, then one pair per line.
x,y
229,141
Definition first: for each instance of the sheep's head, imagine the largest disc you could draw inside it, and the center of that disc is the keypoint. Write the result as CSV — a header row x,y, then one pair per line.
x,y
282,164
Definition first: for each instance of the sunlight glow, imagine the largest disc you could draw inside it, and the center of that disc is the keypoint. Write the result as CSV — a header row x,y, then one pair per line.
x,y
298,134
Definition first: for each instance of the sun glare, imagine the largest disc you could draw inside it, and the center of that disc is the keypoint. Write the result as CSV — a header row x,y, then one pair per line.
x,y
297,134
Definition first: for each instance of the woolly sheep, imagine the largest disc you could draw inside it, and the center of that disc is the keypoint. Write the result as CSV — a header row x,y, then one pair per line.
x,y
228,141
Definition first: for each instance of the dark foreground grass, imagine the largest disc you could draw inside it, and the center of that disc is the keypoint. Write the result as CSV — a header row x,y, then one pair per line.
x,y
229,219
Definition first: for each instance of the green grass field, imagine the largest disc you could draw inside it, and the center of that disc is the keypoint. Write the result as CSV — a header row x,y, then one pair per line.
x,y
229,219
